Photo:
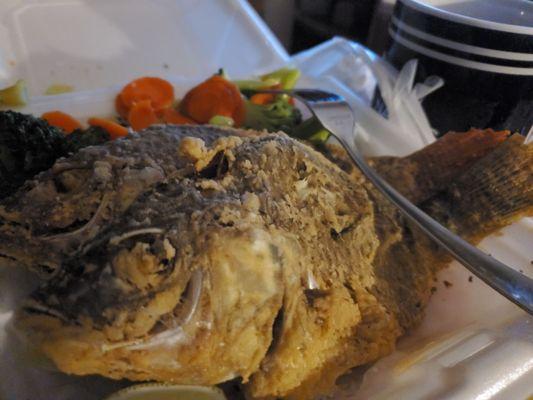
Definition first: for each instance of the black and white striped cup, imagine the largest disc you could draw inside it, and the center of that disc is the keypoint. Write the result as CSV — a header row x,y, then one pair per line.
x,y
484,51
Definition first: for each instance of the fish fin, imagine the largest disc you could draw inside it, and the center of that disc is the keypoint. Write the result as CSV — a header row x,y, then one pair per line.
x,y
424,173
496,191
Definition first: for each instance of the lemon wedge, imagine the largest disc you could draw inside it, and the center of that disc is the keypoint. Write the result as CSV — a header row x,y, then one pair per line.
x,y
159,391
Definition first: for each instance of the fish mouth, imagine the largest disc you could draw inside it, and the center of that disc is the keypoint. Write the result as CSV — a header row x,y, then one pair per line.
x,y
140,292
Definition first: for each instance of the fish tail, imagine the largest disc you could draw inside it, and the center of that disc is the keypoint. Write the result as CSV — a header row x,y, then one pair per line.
x,y
496,191
424,173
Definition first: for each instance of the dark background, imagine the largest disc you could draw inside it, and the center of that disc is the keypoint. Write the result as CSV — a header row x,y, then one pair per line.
x,y
301,24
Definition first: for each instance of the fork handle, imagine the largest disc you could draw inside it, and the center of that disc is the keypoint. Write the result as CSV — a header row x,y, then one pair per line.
x,y
512,284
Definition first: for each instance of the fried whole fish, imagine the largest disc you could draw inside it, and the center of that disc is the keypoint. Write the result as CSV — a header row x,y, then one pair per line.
x,y
207,254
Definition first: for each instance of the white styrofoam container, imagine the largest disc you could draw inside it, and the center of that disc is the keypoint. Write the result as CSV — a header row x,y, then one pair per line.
x,y
473,344
96,43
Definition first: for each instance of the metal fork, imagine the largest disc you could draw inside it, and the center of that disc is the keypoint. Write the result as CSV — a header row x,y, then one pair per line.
x,y
335,114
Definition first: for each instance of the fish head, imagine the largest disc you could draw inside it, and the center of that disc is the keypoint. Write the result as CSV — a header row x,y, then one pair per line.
x,y
151,291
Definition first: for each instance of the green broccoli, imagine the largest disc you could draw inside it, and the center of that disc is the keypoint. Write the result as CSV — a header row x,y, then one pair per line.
x,y
28,145
279,115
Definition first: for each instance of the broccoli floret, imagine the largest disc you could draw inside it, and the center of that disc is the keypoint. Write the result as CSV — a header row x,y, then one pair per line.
x,y
279,115
28,145
92,136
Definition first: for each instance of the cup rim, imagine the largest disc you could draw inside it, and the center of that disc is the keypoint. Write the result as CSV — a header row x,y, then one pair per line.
x,y
467,20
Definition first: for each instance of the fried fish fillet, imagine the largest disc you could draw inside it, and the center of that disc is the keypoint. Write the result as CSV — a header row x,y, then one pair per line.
x,y
197,255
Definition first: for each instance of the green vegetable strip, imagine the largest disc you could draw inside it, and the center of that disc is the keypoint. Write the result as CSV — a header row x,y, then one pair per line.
x,y
251,84
286,76
221,120
14,96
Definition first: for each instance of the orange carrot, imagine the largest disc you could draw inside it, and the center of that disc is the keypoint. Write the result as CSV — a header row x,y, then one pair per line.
x,y
115,130
267,98
215,96
62,120
262,98
159,92
173,116
142,115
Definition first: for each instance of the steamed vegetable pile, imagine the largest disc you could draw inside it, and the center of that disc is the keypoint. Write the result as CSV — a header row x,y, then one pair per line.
x,y
29,145
216,101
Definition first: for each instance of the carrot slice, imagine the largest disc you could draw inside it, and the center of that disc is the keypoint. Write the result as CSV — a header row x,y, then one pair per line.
x,y
142,115
262,98
61,120
215,96
173,116
158,91
115,130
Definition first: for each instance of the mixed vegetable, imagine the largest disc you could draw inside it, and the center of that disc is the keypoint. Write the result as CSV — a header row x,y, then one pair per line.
x,y
29,145
216,101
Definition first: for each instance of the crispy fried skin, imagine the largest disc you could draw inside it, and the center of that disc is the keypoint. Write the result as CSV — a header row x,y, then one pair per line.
x,y
207,254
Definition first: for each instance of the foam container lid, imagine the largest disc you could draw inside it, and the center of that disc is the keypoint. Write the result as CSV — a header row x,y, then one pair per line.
x,y
473,343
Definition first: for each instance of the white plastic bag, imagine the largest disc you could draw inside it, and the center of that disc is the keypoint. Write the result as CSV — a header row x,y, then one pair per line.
x,y
356,71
